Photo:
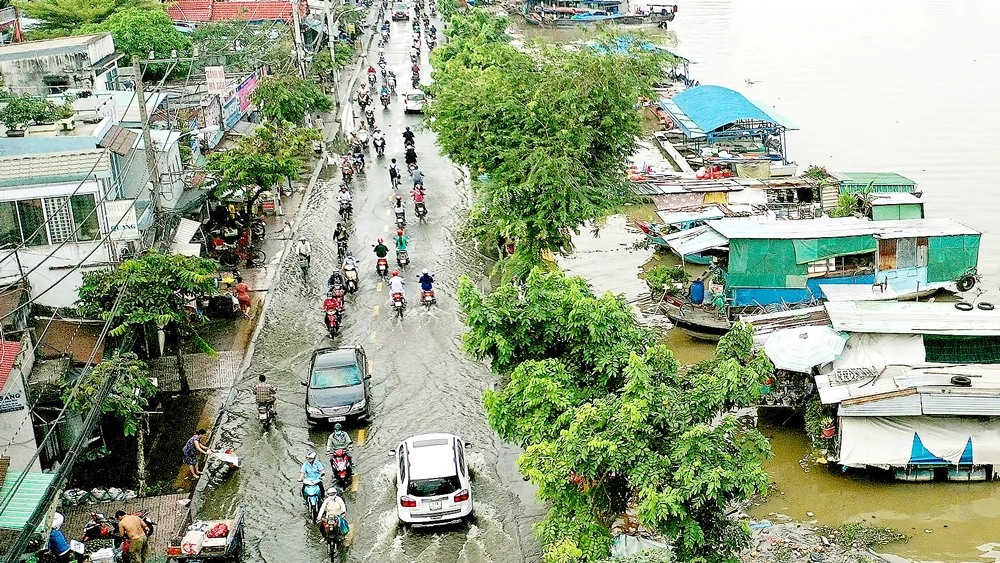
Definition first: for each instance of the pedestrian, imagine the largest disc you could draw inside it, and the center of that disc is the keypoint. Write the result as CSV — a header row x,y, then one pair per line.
x,y
243,296
192,448
132,527
58,544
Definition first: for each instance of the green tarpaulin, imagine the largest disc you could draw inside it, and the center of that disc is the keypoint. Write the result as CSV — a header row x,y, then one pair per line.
x,y
811,250
962,349
764,263
949,257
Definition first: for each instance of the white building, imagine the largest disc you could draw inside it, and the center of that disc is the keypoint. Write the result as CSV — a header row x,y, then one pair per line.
x,y
51,66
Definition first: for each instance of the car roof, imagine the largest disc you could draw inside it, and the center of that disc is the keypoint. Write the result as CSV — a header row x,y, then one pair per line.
x,y
431,455
335,357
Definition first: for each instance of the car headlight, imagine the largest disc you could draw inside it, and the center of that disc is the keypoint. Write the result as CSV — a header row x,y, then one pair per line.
x,y
358,407
314,411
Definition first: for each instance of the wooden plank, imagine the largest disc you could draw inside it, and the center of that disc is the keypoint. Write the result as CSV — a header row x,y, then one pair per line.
x,y
879,397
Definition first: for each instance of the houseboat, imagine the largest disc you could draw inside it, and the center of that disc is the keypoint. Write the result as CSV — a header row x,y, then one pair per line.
x,y
573,13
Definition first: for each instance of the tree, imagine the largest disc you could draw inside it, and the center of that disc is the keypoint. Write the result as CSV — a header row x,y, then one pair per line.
x,y
244,48
287,99
65,17
159,288
139,30
130,395
611,424
259,162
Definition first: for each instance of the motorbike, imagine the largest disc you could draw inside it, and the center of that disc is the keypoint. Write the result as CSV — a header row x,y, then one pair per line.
x,y
402,258
347,172
409,144
414,58
341,248
420,209
382,268
346,208
385,99
311,493
232,254
398,304
359,163
265,413
363,137
427,298
350,278
330,528
431,44
372,78
379,147
370,118
392,84
340,463
415,82
400,217
304,264
100,526
333,319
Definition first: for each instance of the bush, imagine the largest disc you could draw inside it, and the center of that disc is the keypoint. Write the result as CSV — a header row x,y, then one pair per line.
x,y
663,277
860,536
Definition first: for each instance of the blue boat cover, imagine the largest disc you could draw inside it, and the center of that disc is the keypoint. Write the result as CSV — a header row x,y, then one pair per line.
x,y
712,107
966,458
919,455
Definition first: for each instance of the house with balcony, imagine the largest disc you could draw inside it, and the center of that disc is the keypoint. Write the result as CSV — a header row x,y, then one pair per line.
x,y
52,66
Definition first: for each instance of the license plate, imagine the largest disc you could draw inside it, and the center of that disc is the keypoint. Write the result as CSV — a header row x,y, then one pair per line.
x,y
262,416
436,505
337,418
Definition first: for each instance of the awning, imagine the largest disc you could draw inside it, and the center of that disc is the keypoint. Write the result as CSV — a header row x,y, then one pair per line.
x,y
693,241
684,217
904,440
25,499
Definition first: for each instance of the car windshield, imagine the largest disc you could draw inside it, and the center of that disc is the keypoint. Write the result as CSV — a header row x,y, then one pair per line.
x,y
434,487
400,7
337,376
415,97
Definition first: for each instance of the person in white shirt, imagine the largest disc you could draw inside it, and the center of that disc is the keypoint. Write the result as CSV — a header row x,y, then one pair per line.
x,y
332,506
345,195
305,250
396,285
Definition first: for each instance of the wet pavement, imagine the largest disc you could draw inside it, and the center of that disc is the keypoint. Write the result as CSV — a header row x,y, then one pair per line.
x,y
422,381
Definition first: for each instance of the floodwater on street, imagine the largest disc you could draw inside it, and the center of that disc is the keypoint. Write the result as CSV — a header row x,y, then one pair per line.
x,y
896,86
422,381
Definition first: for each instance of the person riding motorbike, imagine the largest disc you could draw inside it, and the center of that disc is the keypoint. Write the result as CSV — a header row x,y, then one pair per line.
x,y
399,210
396,284
266,394
371,69
426,281
418,177
401,241
384,90
336,279
332,506
415,69
433,30
370,116
408,136
350,261
418,195
340,233
304,250
312,470
359,159
339,440
381,250
410,157
344,197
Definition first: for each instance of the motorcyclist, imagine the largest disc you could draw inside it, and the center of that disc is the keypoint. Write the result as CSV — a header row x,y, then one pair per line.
x,y
401,241
336,279
339,440
384,90
394,173
410,157
371,69
370,115
426,281
359,157
265,393
340,233
408,136
417,194
417,176
399,205
377,135
381,250
344,197
332,506
396,284
304,250
433,30
414,53
350,260
312,470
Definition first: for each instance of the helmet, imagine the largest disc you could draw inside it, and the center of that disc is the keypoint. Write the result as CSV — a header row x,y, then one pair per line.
x,y
380,241
311,455
331,492
399,232
398,197
337,426
425,271
395,272
302,238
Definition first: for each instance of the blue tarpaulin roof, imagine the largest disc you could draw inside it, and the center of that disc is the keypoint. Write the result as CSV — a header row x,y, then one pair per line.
x,y
711,107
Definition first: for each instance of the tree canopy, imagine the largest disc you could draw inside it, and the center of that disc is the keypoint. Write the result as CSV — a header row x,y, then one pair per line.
x,y
65,17
609,421
244,48
139,30
552,128
287,99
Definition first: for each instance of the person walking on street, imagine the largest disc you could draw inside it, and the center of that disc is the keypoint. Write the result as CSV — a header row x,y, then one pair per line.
x,y
192,448
243,296
58,544
132,527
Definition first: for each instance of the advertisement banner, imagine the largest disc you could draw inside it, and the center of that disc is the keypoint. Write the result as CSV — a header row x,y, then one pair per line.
x,y
216,77
245,89
128,226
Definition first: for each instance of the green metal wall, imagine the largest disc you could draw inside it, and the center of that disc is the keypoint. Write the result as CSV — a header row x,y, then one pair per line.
x,y
893,212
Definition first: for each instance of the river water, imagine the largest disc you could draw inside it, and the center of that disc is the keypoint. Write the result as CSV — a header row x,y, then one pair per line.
x,y
894,85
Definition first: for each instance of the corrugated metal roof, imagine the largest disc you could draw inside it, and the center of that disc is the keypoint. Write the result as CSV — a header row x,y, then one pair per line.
x,y
908,405
25,499
8,354
894,198
840,227
683,185
866,388
693,241
880,178
119,140
713,107
201,11
85,163
960,404
681,217
857,292
893,317
17,146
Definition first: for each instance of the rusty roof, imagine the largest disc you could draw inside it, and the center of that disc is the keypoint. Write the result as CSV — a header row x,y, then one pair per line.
x,y
74,339
8,354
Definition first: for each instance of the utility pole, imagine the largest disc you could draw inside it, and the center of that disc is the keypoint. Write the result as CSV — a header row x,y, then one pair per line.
x,y
147,139
333,52
297,38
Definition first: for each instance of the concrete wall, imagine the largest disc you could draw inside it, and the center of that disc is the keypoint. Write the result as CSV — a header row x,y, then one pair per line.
x,y
27,75
17,434
135,179
53,268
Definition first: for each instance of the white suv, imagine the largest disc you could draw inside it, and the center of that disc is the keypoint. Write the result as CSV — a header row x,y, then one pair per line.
x,y
432,480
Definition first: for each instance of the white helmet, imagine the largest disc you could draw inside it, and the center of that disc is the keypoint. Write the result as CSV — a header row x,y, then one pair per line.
x,y
425,271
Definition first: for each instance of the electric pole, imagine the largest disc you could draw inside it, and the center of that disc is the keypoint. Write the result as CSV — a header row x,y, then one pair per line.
x,y
297,38
333,52
147,139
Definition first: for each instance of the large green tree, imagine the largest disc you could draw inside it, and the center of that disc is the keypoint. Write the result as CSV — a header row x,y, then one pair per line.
x,y
139,30
553,129
274,153
241,47
66,17
130,395
611,424
150,293
287,99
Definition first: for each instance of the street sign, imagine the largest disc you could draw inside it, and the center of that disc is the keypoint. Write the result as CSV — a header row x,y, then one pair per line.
x,y
216,77
128,226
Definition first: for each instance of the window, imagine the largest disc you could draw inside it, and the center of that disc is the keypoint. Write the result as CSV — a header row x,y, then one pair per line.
x,y
402,464
461,459
32,222
60,219
10,231
85,217
434,486
902,253
53,220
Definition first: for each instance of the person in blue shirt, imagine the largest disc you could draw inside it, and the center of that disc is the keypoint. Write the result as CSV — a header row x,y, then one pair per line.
x,y
58,544
312,470
426,281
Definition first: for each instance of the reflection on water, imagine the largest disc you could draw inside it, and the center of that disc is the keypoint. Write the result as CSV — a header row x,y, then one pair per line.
x,y
960,515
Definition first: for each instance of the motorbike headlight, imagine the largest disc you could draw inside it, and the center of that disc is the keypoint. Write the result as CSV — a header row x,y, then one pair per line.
x,y
314,411
358,407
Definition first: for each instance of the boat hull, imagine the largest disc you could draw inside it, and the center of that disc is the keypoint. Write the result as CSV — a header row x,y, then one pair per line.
x,y
698,323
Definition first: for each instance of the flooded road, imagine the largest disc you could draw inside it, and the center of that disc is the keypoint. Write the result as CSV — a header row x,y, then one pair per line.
x,y
422,382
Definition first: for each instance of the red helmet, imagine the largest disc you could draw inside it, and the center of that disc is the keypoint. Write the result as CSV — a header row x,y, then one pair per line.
x,y
399,232
380,241
395,272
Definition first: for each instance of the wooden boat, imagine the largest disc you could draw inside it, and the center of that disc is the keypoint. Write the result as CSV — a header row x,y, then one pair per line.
x,y
698,322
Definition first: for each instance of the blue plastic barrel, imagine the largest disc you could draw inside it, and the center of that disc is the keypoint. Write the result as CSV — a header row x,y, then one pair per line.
x,y
697,292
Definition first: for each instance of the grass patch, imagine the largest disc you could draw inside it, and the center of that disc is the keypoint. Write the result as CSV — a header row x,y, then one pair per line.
x,y
858,535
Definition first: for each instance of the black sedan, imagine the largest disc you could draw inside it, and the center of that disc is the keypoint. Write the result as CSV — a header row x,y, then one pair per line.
x,y
337,389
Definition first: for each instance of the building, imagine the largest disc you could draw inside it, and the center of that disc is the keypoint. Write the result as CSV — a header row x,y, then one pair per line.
x,y
17,433
51,66
195,12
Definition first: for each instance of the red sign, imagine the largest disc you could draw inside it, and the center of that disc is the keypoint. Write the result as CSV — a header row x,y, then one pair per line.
x,y
245,89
